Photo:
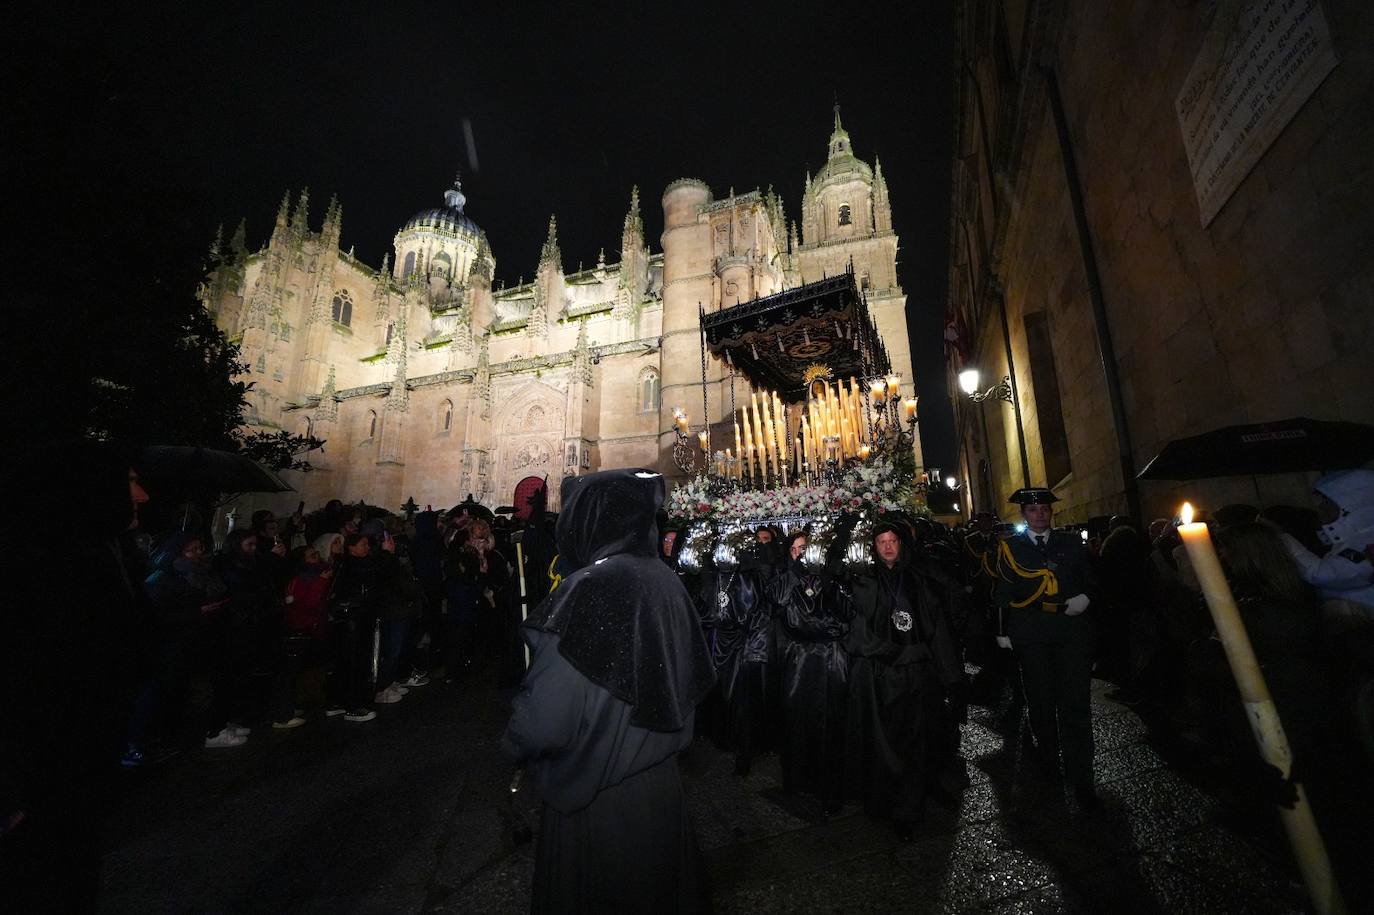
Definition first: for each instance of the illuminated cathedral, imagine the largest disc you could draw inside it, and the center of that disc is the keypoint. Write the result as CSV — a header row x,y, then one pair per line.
x,y
427,383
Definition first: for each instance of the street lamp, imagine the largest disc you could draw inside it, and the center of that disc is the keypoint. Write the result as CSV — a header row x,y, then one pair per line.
x,y
968,381
950,482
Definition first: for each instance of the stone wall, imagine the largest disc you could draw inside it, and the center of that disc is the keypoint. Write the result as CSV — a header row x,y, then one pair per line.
x,y
1265,314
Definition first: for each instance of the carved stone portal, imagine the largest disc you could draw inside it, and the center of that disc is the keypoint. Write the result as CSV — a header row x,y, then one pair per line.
x,y
531,425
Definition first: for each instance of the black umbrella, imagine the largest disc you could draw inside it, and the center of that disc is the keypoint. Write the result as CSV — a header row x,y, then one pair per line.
x,y
186,467
471,506
1287,446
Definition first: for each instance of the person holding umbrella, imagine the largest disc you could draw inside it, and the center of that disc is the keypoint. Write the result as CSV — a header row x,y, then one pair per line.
x,y
1044,578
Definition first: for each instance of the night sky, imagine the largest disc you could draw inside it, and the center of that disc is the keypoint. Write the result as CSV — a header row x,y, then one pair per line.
x,y
220,111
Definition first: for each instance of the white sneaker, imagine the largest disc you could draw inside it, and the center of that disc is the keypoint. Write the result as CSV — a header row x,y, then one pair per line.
x,y
334,711
238,730
225,738
387,696
417,679
293,722
399,688
360,714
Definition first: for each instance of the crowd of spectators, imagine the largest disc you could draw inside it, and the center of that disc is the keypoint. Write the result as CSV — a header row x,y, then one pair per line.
x,y
329,615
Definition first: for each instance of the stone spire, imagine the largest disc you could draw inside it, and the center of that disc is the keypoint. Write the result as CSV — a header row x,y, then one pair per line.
x,y
284,211
217,246
582,357
328,409
333,226
839,137
550,254
398,401
882,206
634,223
238,244
482,261
461,342
300,219
810,225
538,323
549,286
381,298
322,298
634,262
481,376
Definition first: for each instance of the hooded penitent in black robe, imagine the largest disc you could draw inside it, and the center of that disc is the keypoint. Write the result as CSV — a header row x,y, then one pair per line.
x,y
619,666
902,661
813,614
739,635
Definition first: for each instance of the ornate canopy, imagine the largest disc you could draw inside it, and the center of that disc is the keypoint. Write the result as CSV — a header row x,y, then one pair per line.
x,y
772,341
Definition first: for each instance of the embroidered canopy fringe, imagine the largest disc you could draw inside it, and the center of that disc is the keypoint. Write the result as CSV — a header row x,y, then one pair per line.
x,y
1049,585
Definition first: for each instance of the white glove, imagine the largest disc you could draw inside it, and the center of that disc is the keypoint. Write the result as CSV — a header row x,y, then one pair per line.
x,y
1004,642
1076,605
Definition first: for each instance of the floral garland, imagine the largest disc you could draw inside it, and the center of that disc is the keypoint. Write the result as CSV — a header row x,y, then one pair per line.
x,y
876,486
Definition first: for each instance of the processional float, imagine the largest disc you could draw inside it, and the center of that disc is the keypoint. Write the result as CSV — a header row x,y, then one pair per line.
x,y
819,436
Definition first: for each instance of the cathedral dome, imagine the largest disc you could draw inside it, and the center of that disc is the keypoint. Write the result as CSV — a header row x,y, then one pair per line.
x,y
447,218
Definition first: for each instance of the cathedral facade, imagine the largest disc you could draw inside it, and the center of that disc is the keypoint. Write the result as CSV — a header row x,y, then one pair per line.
x,y
427,383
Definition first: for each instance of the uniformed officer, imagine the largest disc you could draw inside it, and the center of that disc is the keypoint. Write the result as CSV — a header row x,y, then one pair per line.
x,y
1044,577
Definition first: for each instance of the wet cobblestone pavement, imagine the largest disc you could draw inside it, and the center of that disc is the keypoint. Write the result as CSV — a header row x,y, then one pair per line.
x,y
408,813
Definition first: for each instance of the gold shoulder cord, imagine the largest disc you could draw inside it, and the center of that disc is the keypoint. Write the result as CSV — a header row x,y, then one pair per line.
x,y
982,558
554,578
1049,584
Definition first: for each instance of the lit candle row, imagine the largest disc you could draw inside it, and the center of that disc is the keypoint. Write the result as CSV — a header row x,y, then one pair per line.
x,y
761,438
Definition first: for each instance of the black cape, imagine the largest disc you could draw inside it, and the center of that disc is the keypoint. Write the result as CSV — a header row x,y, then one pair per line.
x,y
623,619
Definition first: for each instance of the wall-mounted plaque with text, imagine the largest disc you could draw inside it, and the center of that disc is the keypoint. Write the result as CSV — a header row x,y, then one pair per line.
x,y
1260,62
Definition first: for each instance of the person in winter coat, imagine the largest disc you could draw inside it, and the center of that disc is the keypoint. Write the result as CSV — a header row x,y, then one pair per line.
x,y
307,594
472,567
427,560
360,592
188,601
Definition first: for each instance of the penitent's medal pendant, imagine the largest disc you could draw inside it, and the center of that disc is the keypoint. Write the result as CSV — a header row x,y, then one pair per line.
x,y
810,591
902,620
723,598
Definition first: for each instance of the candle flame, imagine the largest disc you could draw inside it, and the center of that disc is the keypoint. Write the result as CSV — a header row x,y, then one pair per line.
x,y
1185,514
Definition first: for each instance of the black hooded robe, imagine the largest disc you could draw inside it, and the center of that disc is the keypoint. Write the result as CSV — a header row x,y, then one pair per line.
x,y
740,637
619,666
897,727
814,673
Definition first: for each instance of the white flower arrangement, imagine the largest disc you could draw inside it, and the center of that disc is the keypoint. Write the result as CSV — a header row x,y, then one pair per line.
x,y
874,487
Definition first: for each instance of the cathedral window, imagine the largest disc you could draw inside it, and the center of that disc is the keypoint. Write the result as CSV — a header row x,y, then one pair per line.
x,y
390,330
409,266
649,389
845,218
371,424
446,416
342,308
